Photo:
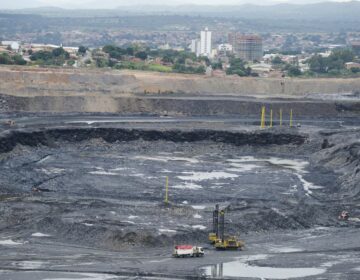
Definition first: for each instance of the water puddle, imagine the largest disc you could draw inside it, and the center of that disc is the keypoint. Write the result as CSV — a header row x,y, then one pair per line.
x,y
202,176
88,225
39,234
83,276
101,171
237,269
165,230
51,171
188,186
30,264
285,250
246,164
199,227
198,207
167,158
9,242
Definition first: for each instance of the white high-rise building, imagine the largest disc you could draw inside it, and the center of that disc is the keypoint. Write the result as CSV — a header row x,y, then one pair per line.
x,y
198,48
193,46
205,42
202,47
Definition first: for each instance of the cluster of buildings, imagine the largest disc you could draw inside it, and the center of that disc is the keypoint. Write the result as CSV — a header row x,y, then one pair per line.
x,y
246,47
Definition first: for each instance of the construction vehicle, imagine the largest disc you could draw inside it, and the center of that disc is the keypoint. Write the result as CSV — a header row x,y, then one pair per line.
x,y
223,242
182,251
213,236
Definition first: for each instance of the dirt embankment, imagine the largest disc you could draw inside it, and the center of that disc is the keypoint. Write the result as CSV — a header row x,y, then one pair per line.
x,y
61,90
37,81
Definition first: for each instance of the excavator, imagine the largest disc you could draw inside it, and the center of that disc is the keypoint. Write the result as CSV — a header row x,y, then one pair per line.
x,y
218,238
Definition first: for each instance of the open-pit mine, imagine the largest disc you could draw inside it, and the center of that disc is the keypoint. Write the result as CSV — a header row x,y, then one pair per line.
x,y
85,157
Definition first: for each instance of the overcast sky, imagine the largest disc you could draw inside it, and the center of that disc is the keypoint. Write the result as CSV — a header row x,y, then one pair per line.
x,y
16,4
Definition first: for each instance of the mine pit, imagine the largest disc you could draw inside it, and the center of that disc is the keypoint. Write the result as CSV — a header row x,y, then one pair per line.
x,y
94,196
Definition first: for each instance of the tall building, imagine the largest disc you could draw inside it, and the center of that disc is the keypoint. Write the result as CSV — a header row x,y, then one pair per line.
x,y
246,47
193,45
356,47
202,47
205,42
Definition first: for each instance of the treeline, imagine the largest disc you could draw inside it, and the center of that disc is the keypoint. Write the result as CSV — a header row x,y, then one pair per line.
x,y
143,58
57,57
16,59
334,64
238,67
319,65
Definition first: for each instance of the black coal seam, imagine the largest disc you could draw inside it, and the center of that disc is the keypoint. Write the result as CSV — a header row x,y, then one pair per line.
x,y
48,136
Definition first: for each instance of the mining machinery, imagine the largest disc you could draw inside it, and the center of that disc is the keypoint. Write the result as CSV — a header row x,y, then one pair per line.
x,y
213,236
218,238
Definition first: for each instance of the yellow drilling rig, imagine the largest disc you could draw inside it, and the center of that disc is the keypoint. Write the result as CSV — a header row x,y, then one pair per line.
x,y
218,238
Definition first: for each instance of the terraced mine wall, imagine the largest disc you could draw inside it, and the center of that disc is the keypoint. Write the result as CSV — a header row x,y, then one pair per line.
x,y
37,81
61,90
49,137
175,106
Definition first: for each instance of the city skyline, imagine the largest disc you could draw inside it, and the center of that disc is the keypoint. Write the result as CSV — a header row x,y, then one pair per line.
x,y
109,4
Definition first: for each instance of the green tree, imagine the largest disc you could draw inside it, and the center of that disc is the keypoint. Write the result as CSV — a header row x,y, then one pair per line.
x,y
216,65
318,64
355,70
294,71
60,52
5,59
333,64
237,67
277,60
82,50
41,55
168,59
19,60
142,55
114,51
102,62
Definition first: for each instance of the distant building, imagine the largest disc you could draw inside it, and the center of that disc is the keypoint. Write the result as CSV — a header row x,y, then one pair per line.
x,y
164,47
246,47
203,46
205,42
15,46
262,69
351,65
195,47
224,49
356,47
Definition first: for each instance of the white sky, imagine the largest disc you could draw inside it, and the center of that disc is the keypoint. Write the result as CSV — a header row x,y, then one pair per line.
x,y
177,2
6,4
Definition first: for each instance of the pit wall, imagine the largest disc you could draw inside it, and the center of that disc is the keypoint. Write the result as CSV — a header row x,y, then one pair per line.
x,y
27,81
48,137
26,89
176,106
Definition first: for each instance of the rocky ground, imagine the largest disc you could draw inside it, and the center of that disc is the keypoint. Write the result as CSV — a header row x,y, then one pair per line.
x,y
82,198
